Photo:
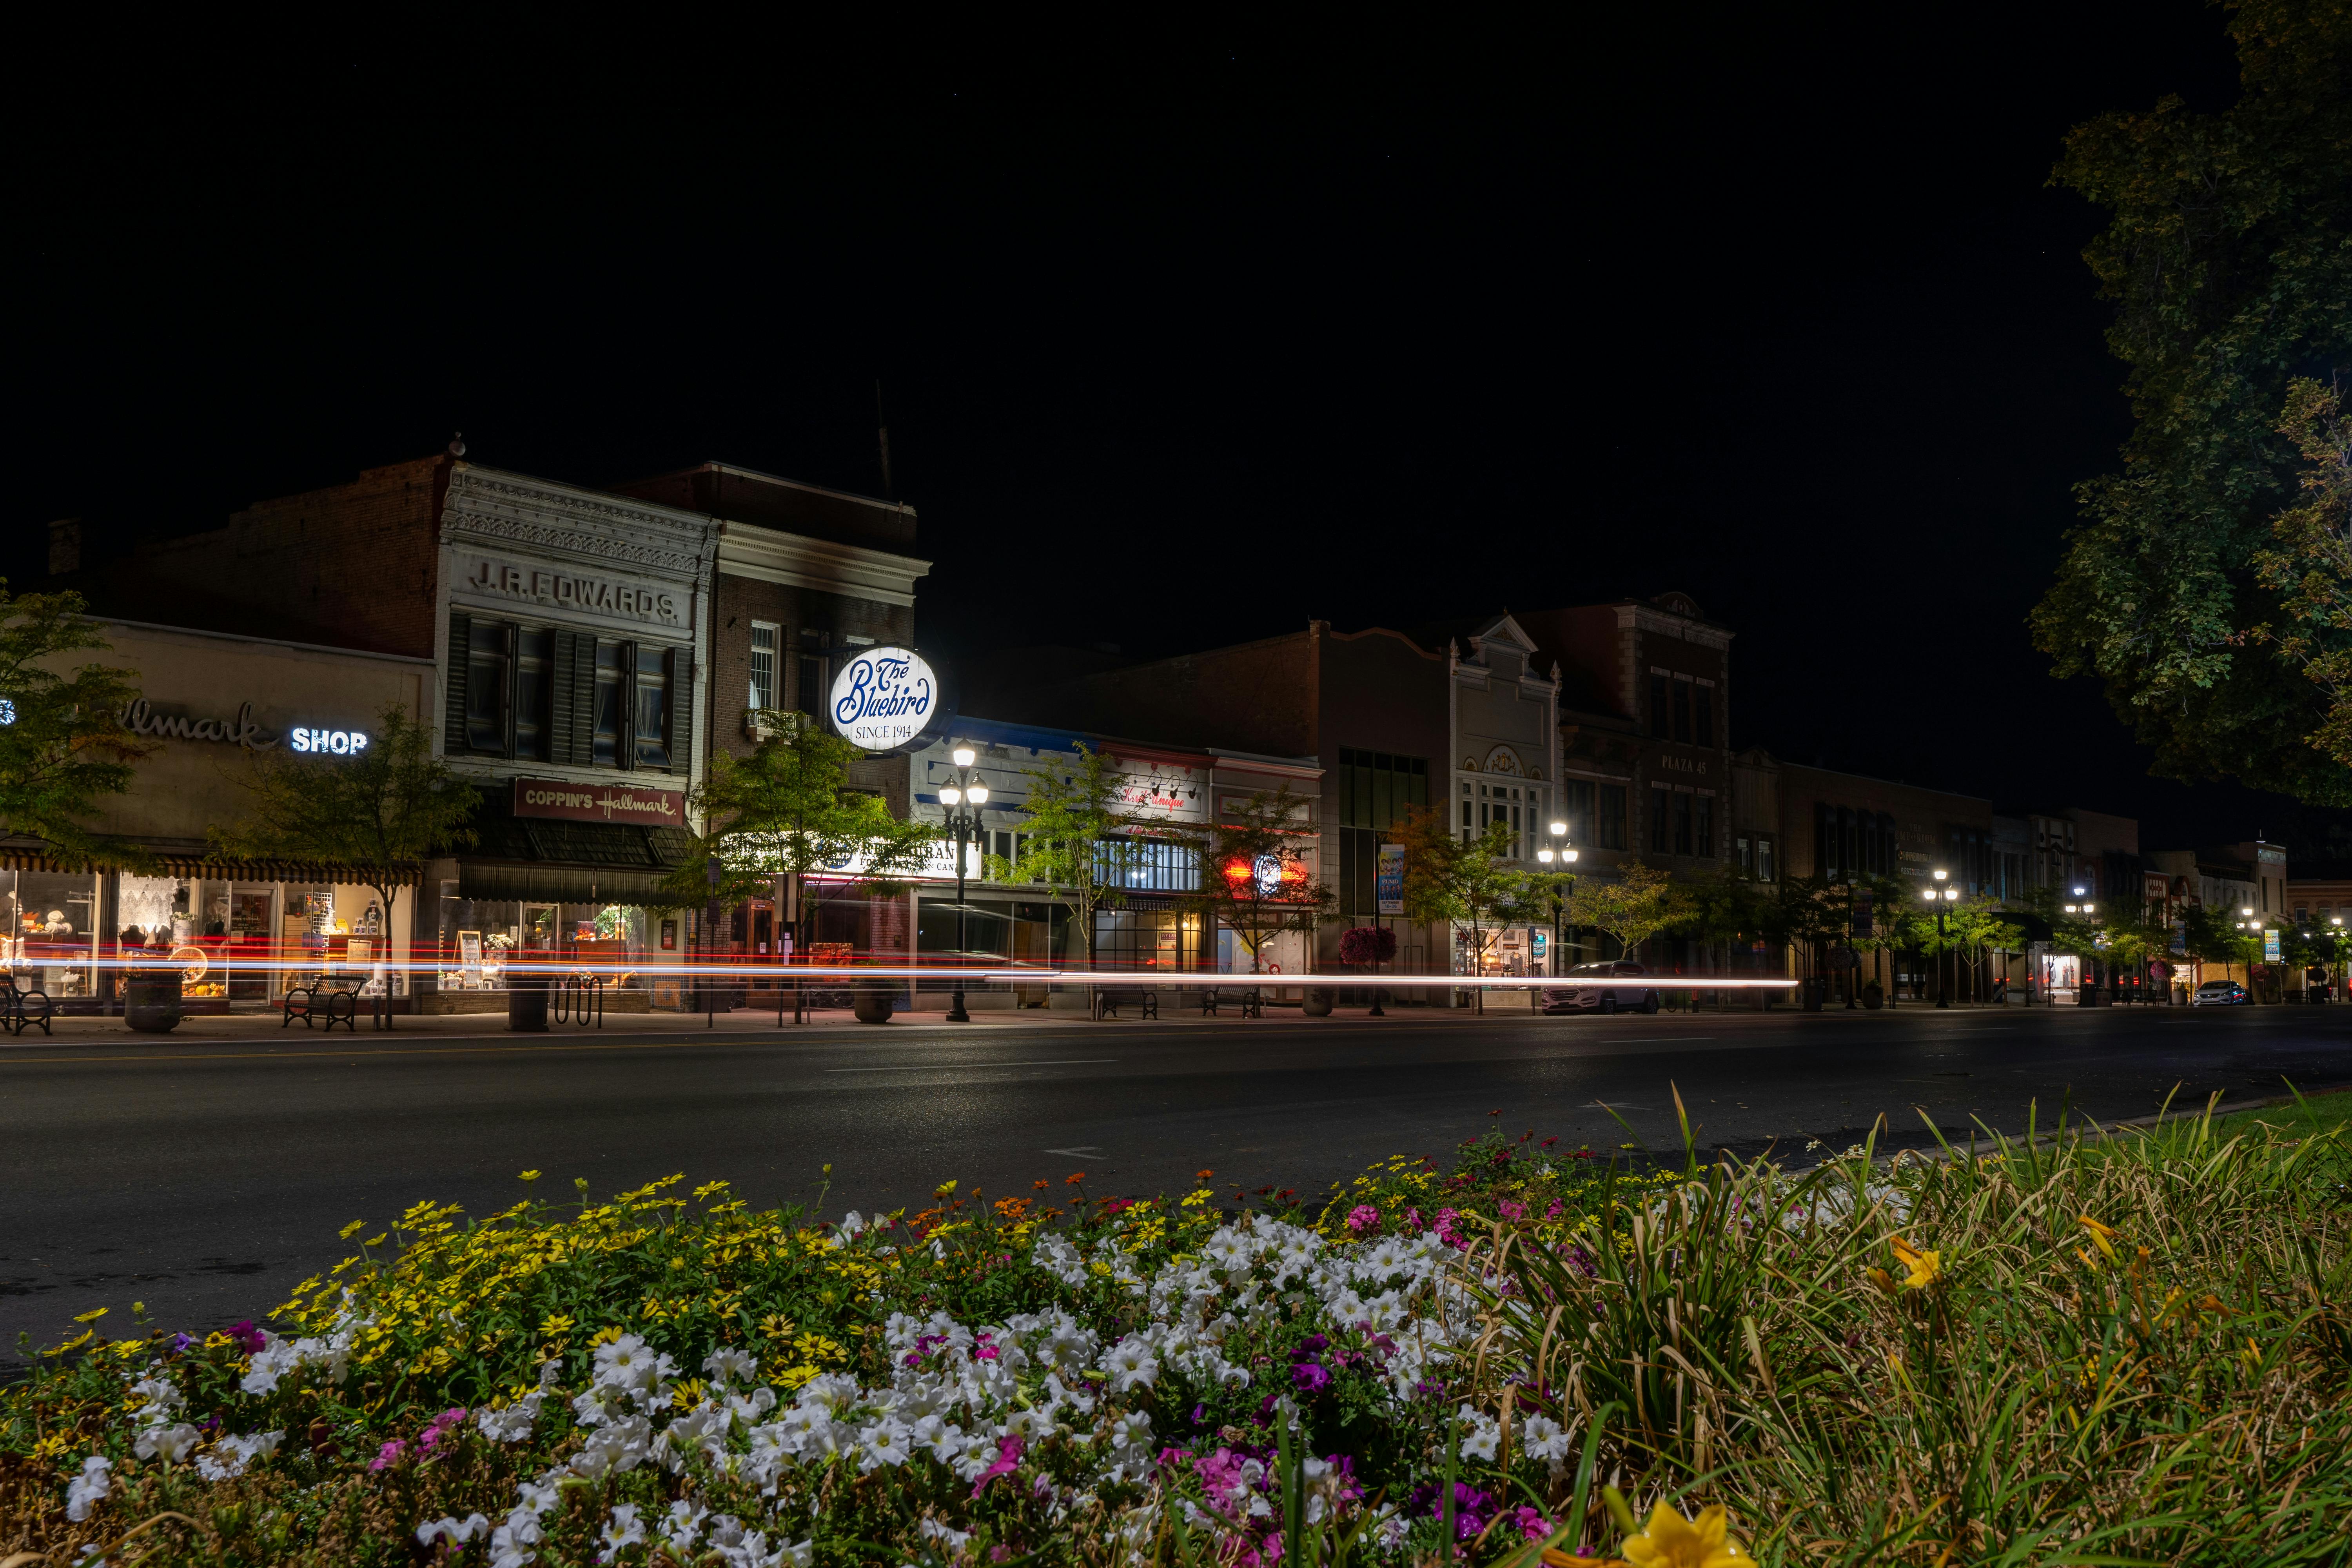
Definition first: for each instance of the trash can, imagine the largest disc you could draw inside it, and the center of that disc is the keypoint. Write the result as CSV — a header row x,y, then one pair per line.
x,y
2090,996
151,999
527,1004
1816,991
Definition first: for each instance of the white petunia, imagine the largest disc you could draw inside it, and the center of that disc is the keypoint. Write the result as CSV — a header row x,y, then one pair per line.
x,y
727,1364
170,1444
1130,1364
512,1423
1132,1430
1542,1438
86,1490
456,1532
886,1442
625,1529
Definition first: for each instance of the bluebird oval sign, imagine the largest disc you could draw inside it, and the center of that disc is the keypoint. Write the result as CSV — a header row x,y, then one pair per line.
x,y
883,698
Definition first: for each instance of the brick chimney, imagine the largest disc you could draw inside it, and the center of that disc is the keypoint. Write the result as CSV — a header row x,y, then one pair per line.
x,y
65,546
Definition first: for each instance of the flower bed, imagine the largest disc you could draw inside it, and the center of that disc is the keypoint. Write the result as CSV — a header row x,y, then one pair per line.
x,y
2011,1358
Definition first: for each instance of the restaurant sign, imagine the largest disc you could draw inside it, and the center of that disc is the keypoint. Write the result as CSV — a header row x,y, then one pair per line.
x,y
883,698
599,803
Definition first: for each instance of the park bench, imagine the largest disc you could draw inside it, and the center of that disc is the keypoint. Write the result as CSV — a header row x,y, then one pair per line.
x,y
316,1002
1146,1002
21,1009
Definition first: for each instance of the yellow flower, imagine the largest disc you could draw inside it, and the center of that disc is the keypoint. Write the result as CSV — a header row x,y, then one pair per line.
x,y
1924,1266
556,1323
90,1317
1670,1541
352,1229
2099,1234
528,1176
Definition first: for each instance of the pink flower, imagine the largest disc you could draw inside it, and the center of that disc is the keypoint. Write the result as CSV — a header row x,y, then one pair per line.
x,y
1445,1232
1363,1218
1412,1218
1512,1208
1008,1459
1532,1525
388,1456
1553,1212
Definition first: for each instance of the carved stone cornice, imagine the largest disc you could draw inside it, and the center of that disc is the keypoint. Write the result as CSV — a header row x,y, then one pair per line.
x,y
512,509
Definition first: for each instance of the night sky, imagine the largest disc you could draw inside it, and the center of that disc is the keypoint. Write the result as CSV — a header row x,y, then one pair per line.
x,y
1185,336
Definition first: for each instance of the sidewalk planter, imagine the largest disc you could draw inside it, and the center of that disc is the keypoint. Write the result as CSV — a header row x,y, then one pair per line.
x,y
1318,1002
150,1000
2091,996
1874,996
870,1003
1814,990
526,1006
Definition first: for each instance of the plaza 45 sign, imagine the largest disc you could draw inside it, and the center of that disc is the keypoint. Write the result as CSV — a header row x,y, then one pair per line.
x,y
883,698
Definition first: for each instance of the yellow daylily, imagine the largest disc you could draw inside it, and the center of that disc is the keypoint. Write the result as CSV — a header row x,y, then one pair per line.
x,y
1923,1267
1670,1541
2099,1235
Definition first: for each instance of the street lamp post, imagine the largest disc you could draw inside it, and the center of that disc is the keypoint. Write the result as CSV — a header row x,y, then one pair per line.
x,y
962,796
2080,909
1562,851
1944,895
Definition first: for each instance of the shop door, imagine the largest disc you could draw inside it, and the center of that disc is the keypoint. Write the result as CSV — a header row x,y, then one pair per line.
x,y
252,942
541,923
1031,948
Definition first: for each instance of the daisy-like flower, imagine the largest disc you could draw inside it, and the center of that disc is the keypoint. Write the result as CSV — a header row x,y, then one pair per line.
x,y
1670,1541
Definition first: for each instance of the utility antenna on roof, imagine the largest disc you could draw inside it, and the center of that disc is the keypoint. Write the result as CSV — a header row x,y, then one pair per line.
x,y
889,491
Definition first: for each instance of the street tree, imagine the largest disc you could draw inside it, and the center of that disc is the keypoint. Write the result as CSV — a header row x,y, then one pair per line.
x,y
2311,569
1473,881
378,812
1080,842
2212,935
1640,902
1256,877
1811,914
63,745
788,810
2227,252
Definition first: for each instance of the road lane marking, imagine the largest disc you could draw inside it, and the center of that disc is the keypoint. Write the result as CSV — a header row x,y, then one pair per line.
x,y
1083,1151
929,1067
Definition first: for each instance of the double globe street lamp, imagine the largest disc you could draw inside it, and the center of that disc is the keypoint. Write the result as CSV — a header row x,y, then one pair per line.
x,y
1562,851
1944,894
961,796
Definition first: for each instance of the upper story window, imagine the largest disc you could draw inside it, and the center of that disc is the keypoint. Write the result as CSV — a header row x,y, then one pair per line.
x,y
764,638
543,694
1683,711
1660,720
815,678
1702,716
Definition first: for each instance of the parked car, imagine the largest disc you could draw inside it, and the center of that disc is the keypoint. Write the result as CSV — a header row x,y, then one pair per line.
x,y
1588,989
2221,994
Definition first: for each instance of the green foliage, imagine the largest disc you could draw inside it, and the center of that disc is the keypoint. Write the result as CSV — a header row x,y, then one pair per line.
x,y
63,747
1079,844
2228,251
1639,903
2213,935
788,810
1255,872
1453,881
1727,906
2311,570
378,813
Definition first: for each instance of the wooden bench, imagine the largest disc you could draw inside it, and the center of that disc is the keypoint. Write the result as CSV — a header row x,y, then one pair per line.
x,y
1146,1002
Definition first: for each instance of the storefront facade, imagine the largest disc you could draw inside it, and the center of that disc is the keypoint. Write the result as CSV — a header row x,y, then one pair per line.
x,y
569,626
216,705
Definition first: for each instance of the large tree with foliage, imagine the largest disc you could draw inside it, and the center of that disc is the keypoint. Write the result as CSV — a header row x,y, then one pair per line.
x,y
1473,881
2310,569
788,810
1079,841
63,747
2227,252
1257,878
1640,902
377,813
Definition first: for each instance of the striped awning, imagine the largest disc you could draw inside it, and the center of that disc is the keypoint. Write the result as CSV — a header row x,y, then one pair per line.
x,y
198,867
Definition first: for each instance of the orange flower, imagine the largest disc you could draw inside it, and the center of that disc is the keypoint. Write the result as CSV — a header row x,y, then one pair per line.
x,y
1922,1267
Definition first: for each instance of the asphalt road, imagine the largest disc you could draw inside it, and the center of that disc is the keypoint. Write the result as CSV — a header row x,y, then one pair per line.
x,y
205,1178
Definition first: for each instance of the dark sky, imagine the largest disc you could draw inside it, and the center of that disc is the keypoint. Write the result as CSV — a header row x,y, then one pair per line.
x,y
1186,335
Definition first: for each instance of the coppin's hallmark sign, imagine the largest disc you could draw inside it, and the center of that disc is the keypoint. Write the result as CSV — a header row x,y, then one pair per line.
x,y
599,803
570,590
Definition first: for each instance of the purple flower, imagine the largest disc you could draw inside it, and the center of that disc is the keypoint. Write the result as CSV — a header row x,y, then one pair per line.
x,y
1200,1414
1310,1377
1532,1525
1363,1218
247,1338
388,1456
1310,1348
179,1344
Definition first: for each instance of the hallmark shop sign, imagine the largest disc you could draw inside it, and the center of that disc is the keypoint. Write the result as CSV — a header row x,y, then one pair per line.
x,y
599,803
140,718
883,698
572,590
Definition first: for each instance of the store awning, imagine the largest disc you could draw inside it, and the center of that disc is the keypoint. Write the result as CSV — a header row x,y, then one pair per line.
x,y
552,861
196,866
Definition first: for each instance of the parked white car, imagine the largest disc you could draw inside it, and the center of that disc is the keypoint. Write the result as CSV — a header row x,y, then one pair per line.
x,y
2221,994
1587,988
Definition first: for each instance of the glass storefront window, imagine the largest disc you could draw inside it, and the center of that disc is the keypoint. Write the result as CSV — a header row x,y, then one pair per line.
x,y
53,933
